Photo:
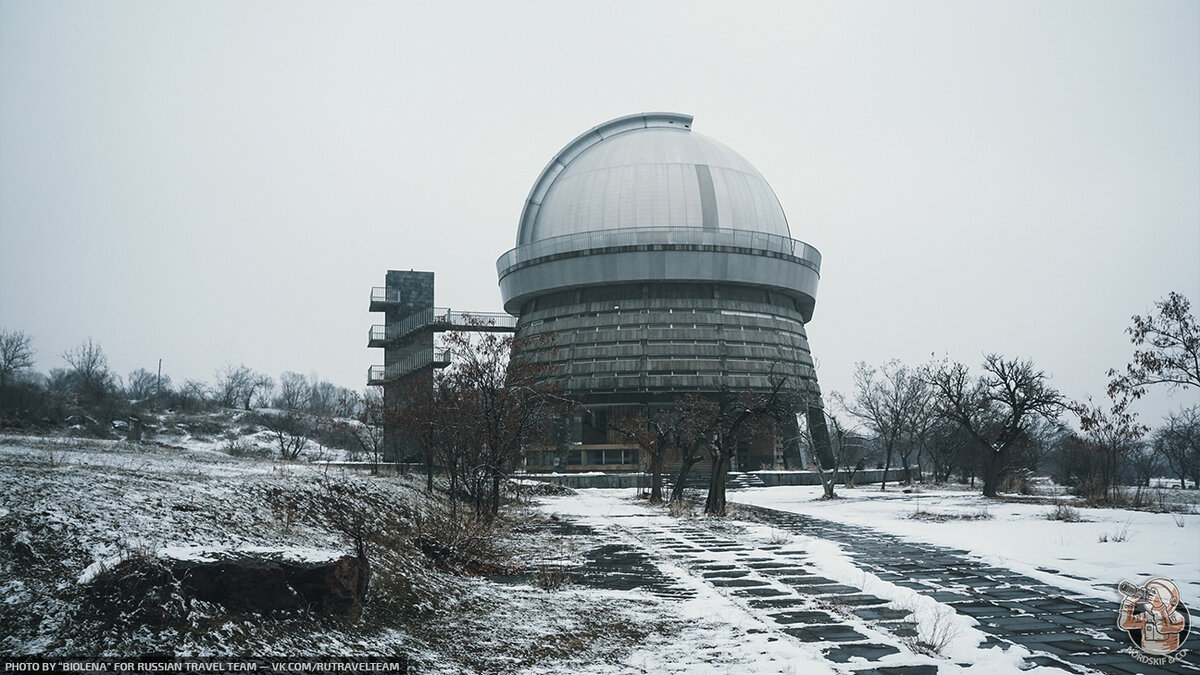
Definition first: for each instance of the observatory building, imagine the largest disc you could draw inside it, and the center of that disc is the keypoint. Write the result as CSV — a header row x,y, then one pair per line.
x,y
658,262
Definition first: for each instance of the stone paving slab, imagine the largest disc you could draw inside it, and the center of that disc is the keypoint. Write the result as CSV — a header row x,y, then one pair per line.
x,y
1063,629
803,616
900,670
855,629
880,613
869,652
825,633
735,583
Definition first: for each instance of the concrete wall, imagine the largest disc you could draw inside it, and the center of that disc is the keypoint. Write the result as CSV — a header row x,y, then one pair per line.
x,y
863,477
647,343
770,478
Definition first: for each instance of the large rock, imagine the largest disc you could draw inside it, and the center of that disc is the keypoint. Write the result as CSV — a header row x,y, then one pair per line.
x,y
265,580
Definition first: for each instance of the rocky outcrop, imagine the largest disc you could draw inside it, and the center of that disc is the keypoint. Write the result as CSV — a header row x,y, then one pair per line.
x,y
263,580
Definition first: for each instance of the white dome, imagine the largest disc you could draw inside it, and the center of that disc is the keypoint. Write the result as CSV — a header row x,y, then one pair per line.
x,y
649,170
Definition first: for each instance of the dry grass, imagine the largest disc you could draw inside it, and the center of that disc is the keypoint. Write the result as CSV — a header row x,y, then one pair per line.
x,y
932,637
1119,535
1065,513
981,513
683,508
779,538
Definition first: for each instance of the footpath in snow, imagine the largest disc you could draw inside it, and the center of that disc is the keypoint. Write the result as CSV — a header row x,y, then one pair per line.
x,y
788,593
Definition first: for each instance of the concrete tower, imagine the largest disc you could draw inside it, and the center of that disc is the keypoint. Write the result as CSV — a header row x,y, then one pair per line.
x,y
661,263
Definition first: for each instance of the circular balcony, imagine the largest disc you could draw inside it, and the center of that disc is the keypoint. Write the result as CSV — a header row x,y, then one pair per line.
x,y
660,254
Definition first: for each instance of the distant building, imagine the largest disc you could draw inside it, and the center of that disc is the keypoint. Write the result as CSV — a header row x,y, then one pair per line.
x,y
660,263
407,335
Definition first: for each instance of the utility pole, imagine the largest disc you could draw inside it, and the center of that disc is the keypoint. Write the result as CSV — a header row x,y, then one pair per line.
x,y
158,382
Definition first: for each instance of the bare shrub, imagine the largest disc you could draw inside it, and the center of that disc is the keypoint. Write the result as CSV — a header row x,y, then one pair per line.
x,y
933,636
1065,513
981,513
458,541
1016,482
137,592
552,575
779,538
682,508
240,447
290,431
1117,536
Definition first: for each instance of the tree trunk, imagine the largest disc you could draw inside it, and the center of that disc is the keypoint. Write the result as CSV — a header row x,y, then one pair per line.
x,y
887,466
495,494
828,479
685,468
429,471
715,504
656,470
991,475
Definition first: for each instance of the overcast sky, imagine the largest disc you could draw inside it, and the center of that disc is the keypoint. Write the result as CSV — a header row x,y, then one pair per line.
x,y
212,182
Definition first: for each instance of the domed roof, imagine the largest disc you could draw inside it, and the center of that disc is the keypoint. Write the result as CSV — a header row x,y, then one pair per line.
x,y
648,170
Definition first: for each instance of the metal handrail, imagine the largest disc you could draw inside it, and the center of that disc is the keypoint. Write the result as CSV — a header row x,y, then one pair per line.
x,y
635,236
384,294
377,332
375,374
416,361
459,319
412,322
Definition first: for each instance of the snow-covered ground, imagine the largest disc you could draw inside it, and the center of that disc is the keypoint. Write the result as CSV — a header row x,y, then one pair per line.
x,y
1089,557
730,635
71,509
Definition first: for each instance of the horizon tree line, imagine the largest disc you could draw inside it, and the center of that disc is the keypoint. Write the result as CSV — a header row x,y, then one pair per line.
x,y
487,408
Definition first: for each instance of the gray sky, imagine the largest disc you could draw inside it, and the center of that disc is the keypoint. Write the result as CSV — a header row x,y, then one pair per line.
x,y
212,182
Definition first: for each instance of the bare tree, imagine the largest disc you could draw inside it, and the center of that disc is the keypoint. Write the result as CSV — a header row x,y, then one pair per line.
x,y
744,416
1170,353
996,409
887,401
193,395
1146,464
230,383
653,431
291,431
499,405
840,438
945,441
90,377
293,391
16,354
323,397
1112,434
694,432
1178,442
362,418
242,386
142,384
259,392
853,455
425,419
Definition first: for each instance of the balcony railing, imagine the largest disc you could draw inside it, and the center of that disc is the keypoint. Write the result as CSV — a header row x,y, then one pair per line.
x,y
375,375
383,297
438,358
377,336
657,236
444,318
429,357
384,294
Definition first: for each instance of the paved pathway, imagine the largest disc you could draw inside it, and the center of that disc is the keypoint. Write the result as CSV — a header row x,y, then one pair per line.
x,y
1063,630
1068,630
